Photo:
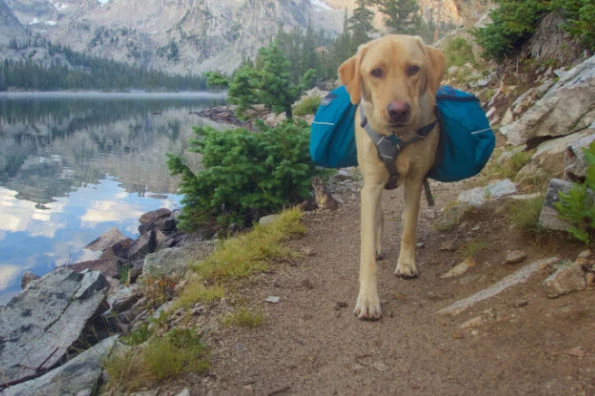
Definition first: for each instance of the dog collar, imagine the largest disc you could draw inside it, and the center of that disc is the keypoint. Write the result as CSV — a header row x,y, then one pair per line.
x,y
389,148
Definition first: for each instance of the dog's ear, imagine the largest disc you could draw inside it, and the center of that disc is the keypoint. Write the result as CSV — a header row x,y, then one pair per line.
x,y
437,69
350,77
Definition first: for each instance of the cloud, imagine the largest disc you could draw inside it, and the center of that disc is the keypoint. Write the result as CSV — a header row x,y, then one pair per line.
x,y
8,273
108,211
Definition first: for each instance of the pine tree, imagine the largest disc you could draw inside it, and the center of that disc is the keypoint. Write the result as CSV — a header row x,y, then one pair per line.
x,y
361,24
401,16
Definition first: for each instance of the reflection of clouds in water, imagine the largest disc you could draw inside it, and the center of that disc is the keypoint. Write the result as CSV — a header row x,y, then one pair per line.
x,y
108,211
8,273
19,215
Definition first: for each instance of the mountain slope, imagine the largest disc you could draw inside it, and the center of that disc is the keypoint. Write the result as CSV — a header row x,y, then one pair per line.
x,y
186,35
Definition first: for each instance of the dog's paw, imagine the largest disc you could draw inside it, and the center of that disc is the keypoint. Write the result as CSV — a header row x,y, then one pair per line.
x,y
406,271
368,308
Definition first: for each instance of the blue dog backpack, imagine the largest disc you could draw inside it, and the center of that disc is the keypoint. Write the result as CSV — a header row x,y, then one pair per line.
x,y
332,136
466,139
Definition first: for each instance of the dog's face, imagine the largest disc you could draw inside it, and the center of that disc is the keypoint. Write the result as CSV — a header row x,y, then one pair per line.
x,y
396,78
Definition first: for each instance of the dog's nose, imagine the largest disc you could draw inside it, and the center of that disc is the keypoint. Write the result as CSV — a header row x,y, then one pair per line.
x,y
398,111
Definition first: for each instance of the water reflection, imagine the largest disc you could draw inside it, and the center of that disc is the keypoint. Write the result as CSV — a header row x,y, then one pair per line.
x,y
72,168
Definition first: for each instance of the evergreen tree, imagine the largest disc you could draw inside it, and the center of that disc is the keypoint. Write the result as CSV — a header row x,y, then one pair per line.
x,y
241,89
401,16
361,24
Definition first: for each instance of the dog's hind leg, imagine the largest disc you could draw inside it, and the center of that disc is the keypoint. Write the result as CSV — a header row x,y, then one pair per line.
x,y
406,264
368,304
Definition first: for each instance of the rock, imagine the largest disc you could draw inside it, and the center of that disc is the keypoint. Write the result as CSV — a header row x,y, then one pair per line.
x,y
106,240
124,299
27,278
272,299
473,322
153,216
174,262
575,163
453,217
184,392
565,280
479,195
548,218
460,268
162,219
515,257
118,250
520,276
163,241
40,324
265,220
550,155
142,246
107,266
78,376
448,245
567,107
531,174
381,366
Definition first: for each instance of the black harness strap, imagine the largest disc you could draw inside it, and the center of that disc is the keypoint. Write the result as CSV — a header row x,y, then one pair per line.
x,y
389,148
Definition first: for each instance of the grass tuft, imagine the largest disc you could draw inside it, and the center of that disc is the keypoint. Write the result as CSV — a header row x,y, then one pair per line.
x,y
245,317
524,214
196,291
177,352
254,251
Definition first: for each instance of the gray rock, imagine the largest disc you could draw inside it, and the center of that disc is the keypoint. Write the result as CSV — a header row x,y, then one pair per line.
x,y
479,195
567,279
575,163
550,155
265,220
79,376
39,325
566,108
548,218
106,240
174,262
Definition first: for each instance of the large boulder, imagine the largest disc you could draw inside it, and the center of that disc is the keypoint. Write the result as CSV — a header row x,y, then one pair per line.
x,y
551,155
566,108
79,376
174,262
40,325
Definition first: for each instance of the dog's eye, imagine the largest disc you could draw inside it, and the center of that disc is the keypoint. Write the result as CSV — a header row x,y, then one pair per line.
x,y
378,73
412,70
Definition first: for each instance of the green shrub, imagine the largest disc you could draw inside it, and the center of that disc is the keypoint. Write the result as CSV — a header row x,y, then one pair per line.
x,y
513,22
458,52
580,19
308,105
246,174
578,205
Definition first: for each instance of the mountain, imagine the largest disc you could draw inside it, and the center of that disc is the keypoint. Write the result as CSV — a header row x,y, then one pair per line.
x,y
183,36
10,27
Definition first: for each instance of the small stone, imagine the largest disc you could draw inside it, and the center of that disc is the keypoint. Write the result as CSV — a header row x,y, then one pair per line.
x,y
576,352
476,228
420,245
272,299
515,257
448,245
357,367
461,268
520,303
473,322
340,305
381,366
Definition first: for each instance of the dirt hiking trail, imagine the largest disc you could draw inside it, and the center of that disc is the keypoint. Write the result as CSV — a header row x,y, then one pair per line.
x,y
518,342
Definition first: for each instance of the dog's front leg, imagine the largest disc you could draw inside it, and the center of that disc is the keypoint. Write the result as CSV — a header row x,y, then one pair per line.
x,y
368,303
406,264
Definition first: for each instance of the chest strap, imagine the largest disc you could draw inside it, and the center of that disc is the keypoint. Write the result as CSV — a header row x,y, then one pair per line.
x,y
389,148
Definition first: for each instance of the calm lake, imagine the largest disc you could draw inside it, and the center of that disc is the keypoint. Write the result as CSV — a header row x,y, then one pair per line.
x,y
72,166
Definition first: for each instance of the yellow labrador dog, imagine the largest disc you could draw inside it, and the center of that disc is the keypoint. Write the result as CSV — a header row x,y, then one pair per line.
x,y
394,79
